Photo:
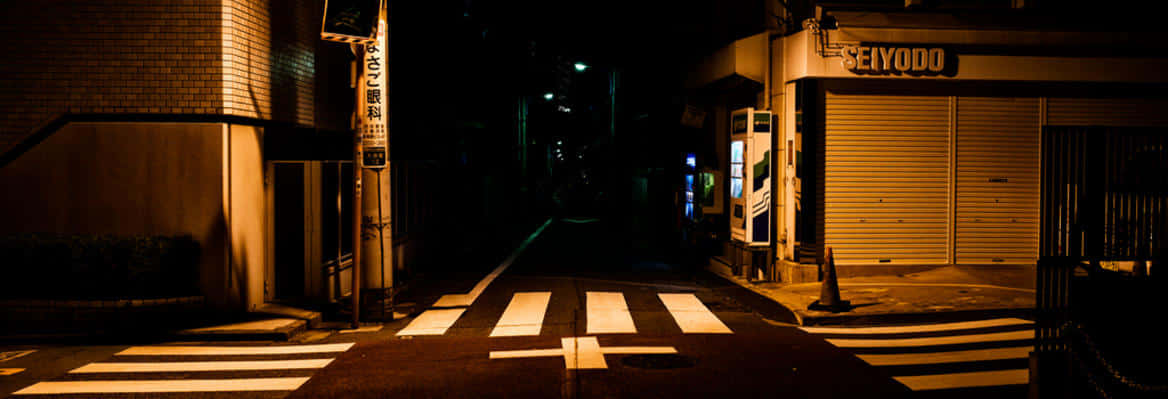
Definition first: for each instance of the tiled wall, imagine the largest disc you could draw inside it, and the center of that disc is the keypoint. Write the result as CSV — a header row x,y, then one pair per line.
x,y
268,59
251,58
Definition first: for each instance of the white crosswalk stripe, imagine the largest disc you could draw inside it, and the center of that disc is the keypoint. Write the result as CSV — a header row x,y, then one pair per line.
x,y
139,361
1004,346
692,316
524,315
608,313
605,313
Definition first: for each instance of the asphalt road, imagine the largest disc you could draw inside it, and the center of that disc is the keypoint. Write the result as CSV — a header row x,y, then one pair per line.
x,y
657,330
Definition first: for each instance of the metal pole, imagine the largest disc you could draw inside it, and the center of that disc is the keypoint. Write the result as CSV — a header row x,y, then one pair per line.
x,y
356,269
381,245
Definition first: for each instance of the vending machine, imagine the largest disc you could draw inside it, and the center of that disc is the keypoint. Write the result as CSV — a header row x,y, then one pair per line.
x,y
750,176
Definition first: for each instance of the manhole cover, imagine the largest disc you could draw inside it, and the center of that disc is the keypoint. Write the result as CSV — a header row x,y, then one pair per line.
x,y
658,362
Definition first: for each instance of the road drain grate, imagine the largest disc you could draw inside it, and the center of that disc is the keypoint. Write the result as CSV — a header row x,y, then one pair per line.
x,y
658,361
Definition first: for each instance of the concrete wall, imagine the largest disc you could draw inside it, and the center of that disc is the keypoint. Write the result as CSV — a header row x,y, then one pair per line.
x,y
247,217
125,179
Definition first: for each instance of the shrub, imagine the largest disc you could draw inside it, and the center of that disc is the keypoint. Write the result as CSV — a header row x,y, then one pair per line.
x,y
80,266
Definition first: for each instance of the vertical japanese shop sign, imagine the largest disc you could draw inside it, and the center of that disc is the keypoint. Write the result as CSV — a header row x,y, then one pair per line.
x,y
373,121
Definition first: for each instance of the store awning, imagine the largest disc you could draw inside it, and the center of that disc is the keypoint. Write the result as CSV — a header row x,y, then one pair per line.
x,y
743,60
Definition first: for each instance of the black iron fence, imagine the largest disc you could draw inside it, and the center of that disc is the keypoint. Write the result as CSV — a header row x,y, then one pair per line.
x,y
1104,216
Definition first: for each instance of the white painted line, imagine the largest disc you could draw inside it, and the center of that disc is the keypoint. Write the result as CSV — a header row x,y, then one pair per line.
x,y
432,322
10,371
467,299
965,325
638,350
232,350
977,355
163,367
692,316
966,380
157,386
366,329
6,356
526,353
583,353
608,313
956,339
524,315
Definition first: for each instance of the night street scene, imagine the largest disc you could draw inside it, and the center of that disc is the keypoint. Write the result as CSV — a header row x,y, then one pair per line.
x,y
603,199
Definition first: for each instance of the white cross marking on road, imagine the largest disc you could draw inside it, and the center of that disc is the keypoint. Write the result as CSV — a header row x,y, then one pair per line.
x,y
583,352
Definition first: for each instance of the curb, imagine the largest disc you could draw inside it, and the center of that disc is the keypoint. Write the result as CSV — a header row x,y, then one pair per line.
x,y
803,319
279,334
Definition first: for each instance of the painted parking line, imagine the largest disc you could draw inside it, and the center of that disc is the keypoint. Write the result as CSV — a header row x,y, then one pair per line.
x,y
965,325
608,313
930,341
232,350
523,316
692,316
160,386
978,355
966,380
432,322
164,367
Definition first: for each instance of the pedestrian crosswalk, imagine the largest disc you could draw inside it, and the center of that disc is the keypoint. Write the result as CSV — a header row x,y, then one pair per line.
x,y
972,354
200,369
605,313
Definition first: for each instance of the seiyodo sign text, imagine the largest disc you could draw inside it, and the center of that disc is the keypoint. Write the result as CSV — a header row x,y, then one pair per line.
x,y
879,59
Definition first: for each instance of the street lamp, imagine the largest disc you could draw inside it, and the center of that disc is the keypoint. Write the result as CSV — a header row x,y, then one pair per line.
x,y
548,96
580,66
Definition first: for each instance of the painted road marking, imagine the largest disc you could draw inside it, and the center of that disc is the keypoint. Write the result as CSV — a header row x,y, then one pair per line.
x,y
978,355
366,329
6,356
582,352
966,380
163,367
158,386
432,322
10,371
929,341
468,298
232,350
608,313
524,315
692,316
965,325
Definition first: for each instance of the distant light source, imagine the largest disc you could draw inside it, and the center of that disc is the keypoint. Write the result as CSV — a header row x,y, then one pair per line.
x,y
691,160
580,66
548,96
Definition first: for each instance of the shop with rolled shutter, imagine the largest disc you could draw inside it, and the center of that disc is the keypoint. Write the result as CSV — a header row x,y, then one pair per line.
x,y
997,176
886,179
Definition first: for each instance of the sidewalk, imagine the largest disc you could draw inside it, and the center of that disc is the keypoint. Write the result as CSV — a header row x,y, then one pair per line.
x,y
946,293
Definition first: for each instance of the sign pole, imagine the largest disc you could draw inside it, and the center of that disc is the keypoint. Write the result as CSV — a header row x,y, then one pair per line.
x,y
356,268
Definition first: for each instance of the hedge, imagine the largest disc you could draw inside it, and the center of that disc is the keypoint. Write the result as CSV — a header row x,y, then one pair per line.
x,y
79,266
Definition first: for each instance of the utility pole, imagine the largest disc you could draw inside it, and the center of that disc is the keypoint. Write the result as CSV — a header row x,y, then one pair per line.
x,y
375,239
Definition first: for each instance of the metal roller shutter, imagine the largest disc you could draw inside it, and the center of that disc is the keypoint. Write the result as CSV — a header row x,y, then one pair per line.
x,y
997,172
1107,112
887,179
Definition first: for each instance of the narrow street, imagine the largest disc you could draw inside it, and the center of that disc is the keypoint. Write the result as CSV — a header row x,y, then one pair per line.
x,y
581,313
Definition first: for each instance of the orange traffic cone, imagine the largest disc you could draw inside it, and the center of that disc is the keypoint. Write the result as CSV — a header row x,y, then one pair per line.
x,y
829,294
